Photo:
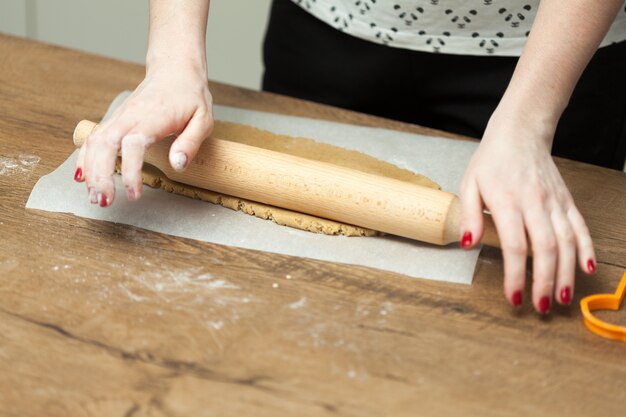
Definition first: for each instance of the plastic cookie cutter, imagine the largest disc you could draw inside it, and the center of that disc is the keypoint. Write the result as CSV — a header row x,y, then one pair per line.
x,y
604,302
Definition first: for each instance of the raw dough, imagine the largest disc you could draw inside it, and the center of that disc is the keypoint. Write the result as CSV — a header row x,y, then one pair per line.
x,y
302,147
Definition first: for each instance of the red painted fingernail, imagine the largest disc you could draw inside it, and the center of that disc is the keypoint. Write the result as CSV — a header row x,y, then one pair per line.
x,y
104,201
517,299
591,266
130,192
544,305
78,176
466,241
566,295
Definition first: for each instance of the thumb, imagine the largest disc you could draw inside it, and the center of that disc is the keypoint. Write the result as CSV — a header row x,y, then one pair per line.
x,y
186,145
471,215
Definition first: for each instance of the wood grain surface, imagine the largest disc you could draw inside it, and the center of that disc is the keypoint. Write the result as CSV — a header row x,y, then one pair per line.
x,y
101,319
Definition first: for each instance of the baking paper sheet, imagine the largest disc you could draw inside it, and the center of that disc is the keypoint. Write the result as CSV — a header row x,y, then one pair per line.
x,y
441,159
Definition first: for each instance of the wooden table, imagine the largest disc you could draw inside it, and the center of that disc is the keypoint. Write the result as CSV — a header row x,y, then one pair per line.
x,y
99,319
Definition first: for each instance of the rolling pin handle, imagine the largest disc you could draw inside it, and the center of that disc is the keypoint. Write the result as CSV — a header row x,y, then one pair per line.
x,y
82,131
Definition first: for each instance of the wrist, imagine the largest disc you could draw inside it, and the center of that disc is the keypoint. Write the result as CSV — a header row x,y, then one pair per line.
x,y
512,121
177,60
177,34
538,119
531,104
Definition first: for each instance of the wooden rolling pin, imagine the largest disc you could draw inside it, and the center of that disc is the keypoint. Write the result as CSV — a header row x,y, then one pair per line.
x,y
317,188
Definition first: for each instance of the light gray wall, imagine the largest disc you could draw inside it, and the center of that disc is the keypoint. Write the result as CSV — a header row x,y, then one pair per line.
x,y
13,17
119,28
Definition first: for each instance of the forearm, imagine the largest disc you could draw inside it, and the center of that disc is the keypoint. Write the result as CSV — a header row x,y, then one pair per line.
x,y
178,32
563,39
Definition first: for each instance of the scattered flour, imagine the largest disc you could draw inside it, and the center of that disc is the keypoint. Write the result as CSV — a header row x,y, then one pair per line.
x,y
298,304
130,294
216,324
183,287
20,164
222,284
386,308
160,279
8,264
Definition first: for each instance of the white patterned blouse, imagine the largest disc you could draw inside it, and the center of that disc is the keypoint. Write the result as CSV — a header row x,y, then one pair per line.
x,y
467,27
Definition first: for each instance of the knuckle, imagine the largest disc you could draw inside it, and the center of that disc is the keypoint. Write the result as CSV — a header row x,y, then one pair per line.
x,y
205,118
543,285
161,108
131,179
209,124
106,137
564,197
515,247
94,138
584,229
131,106
543,279
96,180
504,204
112,141
535,191
515,279
134,141
538,197
202,112
546,245
567,236
577,220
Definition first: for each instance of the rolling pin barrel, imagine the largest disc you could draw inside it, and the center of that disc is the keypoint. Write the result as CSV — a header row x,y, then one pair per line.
x,y
314,187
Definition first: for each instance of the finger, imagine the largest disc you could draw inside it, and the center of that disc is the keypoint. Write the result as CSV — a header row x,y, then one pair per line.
x,y
79,175
510,226
584,244
471,215
133,149
545,256
99,165
134,144
566,268
186,145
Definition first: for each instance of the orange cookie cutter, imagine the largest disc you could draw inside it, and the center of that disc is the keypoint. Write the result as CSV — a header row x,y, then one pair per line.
x,y
604,302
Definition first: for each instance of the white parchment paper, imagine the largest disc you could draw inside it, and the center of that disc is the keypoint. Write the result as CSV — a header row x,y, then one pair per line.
x,y
441,159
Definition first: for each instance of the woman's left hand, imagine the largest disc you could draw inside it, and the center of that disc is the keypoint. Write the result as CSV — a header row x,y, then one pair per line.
x,y
513,175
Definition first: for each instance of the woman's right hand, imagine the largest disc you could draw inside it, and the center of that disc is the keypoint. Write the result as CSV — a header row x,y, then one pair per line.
x,y
173,98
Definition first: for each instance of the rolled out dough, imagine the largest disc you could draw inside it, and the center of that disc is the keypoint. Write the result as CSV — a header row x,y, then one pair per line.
x,y
301,147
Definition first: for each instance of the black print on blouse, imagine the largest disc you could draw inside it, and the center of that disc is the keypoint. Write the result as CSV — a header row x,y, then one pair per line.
x,y
434,2
487,2
435,42
307,3
408,17
364,5
489,45
515,18
461,21
384,36
341,21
